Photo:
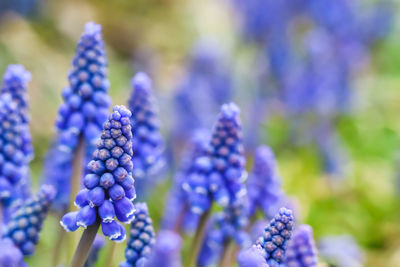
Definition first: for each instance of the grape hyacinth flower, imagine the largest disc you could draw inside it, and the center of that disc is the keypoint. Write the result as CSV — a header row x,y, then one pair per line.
x,y
14,164
10,254
264,183
98,244
166,250
141,239
301,250
177,214
341,250
147,142
25,224
220,175
81,116
276,235
15,83
109,185
86,99
251,257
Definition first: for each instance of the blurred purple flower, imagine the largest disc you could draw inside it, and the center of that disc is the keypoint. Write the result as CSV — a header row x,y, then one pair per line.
x,y
301,250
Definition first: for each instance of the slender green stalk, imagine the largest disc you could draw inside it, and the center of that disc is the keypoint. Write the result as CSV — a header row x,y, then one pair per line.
x,y
83,249
110,255
77,171
228,254
58,244
197,240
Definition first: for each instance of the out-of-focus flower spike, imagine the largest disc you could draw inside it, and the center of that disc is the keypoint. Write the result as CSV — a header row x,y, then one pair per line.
x,y
252,257
141,239
98,244
276,235
86,98
14,175
301,250
264,183
108,181
147,142
341,250
81,116
166,251
25,224
10,254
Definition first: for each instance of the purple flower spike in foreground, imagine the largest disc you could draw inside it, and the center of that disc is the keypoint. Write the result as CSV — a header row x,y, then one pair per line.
x,y
141,239
109,185
264,184
26,223
10,254
147,142
166,251
86,98
252,257
301,250
273,243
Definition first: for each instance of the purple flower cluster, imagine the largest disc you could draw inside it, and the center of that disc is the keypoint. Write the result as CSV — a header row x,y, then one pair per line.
x,y
10,254
177,212
14,151
26,222
141,239
86,99
273,242
109,185
166,251
219,175
147,142
301,250
251,257
264,183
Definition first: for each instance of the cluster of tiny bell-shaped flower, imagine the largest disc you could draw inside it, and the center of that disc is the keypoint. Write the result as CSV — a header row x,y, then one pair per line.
x,y
273,242
14,163
141,239
86,98
166,250
10,254
219,174
109,185
301,250
147,141
177,213
26,222
251,257
264,183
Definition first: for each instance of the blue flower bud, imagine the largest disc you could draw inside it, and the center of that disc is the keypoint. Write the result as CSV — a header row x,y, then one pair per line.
x,y
86,217
124,210
96,196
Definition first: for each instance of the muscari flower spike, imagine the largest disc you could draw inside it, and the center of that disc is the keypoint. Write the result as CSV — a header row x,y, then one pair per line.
x,y
86,100
13,161
25,224
264,183
341,250
166,251
147,142
141,239
98,244
301,250
109,185
273,242
251,257
10,254
220,174
177,212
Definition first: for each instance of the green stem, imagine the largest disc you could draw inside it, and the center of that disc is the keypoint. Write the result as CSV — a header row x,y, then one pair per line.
x,y
110,255
197,240
83,249
77,171
228,254
58,243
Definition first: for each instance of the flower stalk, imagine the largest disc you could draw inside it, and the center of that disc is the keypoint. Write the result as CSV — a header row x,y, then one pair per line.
x,y
83,249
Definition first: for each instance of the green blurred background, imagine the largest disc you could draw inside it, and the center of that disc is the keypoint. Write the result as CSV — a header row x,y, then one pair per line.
x,y
161,33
